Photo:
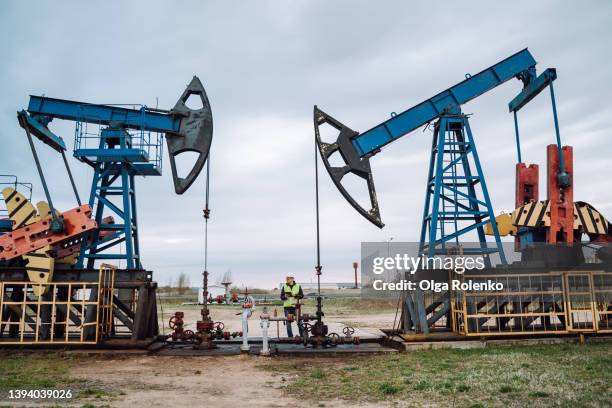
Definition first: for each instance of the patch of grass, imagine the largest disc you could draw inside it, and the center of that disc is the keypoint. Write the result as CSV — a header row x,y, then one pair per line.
x,y
538,394
318,374
462,388
94,393
47,370
422,385
388,389
33,371
565,375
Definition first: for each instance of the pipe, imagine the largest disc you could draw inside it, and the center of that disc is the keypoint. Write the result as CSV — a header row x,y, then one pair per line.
x,y
247,310
280,319
264,324
245,330
277,324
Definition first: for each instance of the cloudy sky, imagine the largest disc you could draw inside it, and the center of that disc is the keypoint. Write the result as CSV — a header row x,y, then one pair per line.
x,y
264,65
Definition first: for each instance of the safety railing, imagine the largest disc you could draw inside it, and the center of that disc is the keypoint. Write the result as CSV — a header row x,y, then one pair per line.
x,y
149,144
67,313
601,288
534,304
9,180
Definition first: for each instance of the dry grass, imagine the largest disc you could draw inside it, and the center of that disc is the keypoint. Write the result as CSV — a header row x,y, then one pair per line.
x,y
46,371
537,376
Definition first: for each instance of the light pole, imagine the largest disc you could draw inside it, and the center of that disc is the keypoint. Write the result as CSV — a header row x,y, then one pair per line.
x,y
355,266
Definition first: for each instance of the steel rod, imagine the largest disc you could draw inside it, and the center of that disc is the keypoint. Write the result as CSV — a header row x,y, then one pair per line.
x,y
558,134
518,139
42,177
76,193
318,267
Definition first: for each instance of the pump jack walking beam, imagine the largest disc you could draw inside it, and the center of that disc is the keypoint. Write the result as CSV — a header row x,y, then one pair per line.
x,y
357,148
186,129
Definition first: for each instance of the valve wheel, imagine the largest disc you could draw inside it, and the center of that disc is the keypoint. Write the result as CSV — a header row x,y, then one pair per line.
x,y
174,322
218,325
188,334
348,330
307,327
334,337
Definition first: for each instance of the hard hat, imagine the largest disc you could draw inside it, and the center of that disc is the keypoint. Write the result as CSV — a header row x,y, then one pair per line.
x,y
289,275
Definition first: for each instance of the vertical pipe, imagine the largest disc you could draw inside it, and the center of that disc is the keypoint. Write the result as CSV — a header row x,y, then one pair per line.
x,y
264,324
245,330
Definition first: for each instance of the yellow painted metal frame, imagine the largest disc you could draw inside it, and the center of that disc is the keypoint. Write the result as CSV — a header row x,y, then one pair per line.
x,y
585,308
601,295
30,307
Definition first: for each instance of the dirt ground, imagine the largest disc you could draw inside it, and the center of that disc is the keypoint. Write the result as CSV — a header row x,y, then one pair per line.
x,y
153,381
159,380
563,375
156,381
140,380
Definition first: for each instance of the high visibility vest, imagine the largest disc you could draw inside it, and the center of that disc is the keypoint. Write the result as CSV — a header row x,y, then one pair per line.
x,y
287,290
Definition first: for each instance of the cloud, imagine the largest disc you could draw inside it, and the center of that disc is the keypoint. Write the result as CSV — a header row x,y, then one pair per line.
x,y
264,65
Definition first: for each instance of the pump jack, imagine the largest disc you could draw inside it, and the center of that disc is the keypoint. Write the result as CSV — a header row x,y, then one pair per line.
x,y
454,206
119,143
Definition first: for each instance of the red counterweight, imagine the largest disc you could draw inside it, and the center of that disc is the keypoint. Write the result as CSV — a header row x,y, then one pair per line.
x,y
527,183
561,200
527,178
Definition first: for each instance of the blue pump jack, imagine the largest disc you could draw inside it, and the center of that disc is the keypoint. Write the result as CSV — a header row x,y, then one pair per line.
x,y
125,143
457,200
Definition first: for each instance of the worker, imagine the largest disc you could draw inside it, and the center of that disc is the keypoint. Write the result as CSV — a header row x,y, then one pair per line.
x,y
291,294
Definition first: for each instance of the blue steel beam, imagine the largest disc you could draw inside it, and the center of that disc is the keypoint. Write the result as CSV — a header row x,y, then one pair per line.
x,y
473,86
41,132
141,119
532,90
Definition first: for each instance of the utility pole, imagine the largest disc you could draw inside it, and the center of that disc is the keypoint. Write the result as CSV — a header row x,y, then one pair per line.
x,y
355,266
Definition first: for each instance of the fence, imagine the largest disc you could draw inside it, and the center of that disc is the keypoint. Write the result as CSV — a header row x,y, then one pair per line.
x,y
67,313
535,304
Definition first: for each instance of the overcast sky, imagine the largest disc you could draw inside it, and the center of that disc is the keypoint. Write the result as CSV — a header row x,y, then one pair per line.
x,y
264,65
